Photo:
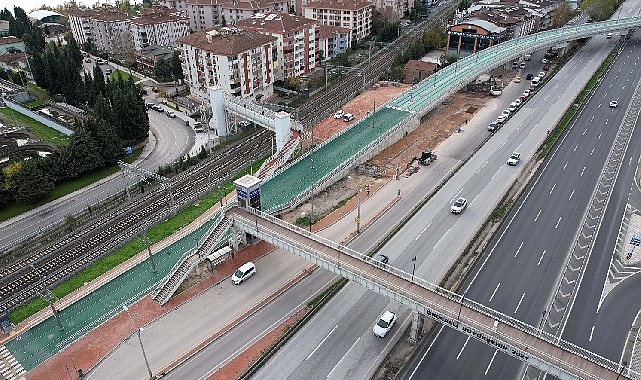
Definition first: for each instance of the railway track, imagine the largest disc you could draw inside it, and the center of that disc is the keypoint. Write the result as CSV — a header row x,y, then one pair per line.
x,y
26,278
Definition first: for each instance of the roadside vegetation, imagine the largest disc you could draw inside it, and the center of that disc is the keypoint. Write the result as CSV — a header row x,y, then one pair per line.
x,y
155,234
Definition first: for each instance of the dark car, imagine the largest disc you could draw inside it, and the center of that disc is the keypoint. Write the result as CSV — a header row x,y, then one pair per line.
x,y
529,77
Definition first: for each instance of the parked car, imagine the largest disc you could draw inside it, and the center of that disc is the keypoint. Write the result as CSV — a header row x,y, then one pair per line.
x,y
506,112
243,273
541,74
501,119
529,77
513,107
339,114
544,61
171,114
459,205
108,71
526,93
514,159
384,324
614,104
494,126
348,117
518,102
608,36
522,65
517,79
88,60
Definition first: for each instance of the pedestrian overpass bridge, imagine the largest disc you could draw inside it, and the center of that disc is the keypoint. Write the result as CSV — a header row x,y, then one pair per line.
x,y
386,124
506,334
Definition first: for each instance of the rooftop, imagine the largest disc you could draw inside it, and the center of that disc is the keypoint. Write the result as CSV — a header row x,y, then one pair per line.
x,y
346,5
225,41
275,22
328,31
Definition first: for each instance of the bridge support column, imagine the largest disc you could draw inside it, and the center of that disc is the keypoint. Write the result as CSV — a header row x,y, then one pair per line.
x,y
218,120
417,326
282,125
238,236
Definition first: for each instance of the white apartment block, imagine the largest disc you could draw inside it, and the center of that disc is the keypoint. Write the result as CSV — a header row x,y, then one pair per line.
x,y
158,26
206,14
113,31
332,41
237,60
295,41
355,15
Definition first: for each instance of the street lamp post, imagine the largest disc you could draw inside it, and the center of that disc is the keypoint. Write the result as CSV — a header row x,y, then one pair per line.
x,y
142,347
358,212
48,296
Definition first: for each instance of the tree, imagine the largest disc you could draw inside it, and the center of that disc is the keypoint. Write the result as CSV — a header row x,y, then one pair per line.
x,y
599,10
176,68
435,38
32,183
5,194
162,69
562,14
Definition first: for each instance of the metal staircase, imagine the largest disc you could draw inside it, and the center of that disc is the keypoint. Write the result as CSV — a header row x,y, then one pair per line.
x,y
217,234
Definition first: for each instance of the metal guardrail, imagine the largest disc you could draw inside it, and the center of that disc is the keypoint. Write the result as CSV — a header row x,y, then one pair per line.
x,y
458,299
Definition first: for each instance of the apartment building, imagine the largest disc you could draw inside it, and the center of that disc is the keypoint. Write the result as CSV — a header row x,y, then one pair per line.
x,y
206,14
158,26
295,41
355,15
108,28
332,41
240,61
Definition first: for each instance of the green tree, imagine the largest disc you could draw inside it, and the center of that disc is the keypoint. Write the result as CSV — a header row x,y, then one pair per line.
x,y
562,14
599,10
435,38
176,68
162,69
32,183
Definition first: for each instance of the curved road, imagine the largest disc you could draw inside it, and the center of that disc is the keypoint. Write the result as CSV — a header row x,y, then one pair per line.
x,y
169,139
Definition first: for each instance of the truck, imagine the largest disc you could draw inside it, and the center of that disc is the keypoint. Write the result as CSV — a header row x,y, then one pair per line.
x,y
495,91
427,158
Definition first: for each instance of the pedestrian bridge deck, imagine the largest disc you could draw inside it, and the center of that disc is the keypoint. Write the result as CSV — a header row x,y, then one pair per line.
x,y
513,337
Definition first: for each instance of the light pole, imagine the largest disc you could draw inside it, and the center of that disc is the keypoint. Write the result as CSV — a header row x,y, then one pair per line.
x,y
358,212
138,330
48,296
413,267
311,214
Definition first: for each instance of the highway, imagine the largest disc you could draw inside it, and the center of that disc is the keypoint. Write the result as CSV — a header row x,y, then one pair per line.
x,y
170,139
521,272
341,345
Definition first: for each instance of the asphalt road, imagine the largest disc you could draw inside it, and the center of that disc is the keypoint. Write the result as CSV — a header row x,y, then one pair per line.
x,y
521,272
344,347
172,139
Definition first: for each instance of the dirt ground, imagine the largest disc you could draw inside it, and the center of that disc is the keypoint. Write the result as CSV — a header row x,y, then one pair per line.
x,y
435,127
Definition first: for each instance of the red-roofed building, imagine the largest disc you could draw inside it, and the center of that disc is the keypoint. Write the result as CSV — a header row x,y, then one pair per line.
x,y
332,41
158,26
295,41
416,70
240,61
355,15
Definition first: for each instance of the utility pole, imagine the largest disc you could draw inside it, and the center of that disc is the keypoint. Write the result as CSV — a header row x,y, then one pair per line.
x,y
142,347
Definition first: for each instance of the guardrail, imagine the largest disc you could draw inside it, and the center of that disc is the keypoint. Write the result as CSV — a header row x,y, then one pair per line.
x,y
454,297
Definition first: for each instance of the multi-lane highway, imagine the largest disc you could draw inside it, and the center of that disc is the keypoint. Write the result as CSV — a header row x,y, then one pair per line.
x,y
340,344
528,256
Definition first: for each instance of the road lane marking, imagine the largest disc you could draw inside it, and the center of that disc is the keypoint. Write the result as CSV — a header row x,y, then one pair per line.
x,y
566,164
481,168
489,365
592,151
557,223
462,348
553,187
537,216
592,118
575,147
585,132
456,195
519,305
519,249
582,171
321,343
494,292
591,332
571,194
599,138
541,258
426,227
502,144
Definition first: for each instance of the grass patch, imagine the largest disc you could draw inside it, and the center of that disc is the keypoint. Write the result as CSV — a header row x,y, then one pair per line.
x,y
41,131
64,188
156,234
124,75
36,103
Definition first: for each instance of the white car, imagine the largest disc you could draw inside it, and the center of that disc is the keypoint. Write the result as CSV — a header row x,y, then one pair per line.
x,y
541,74
459,205
501,119
243,273
526,93
514,159
348,117
544,61
614,104
384,324
339,114
608,36
506,112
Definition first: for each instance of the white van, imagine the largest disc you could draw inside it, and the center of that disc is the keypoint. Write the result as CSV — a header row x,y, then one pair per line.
x,y
243,273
